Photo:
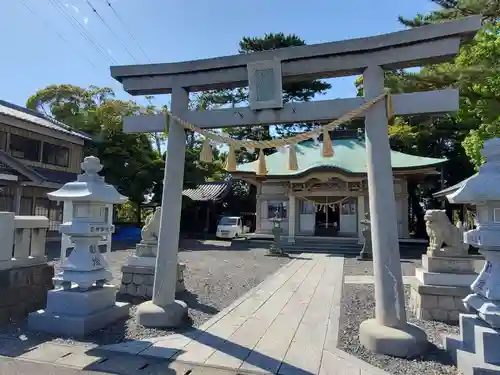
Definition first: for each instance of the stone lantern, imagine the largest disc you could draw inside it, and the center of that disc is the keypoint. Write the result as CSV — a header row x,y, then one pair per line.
x,y
482,190
276,247
83,302
477,348
366,251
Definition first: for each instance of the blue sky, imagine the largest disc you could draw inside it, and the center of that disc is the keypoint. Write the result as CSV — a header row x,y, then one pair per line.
x,y
40,47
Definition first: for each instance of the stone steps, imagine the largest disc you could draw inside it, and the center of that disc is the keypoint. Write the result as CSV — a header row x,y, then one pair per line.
x,y
475,351
334,245
323,246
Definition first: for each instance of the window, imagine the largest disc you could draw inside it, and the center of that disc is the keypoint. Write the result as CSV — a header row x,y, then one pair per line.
x,y
225,220
25,148
55,155
274,207
3,140
496,215
307,207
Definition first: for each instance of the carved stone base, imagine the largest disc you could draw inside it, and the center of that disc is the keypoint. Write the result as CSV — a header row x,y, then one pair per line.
x,y
75,312
146,249
137,261
444,279
434,302
475,350
138,281
457,265
487,310
447,253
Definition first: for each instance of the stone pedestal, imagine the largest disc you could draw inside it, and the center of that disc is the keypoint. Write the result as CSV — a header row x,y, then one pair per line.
x,y
137,281
74,312
475,350
439,287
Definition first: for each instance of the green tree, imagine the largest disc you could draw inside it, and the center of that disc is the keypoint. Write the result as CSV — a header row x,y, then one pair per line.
x,y
129,160
475,72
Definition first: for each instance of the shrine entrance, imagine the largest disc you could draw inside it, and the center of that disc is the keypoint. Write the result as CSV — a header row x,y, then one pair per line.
x,y
327,220
264,73
335,216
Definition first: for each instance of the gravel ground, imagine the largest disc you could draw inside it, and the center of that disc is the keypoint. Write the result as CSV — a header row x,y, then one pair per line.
x,y
354,267
358,304
213,278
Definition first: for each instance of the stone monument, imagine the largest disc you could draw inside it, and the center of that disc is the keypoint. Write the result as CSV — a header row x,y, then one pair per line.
x,y
138,273
476,350
446,273
366,251
276,247
83,302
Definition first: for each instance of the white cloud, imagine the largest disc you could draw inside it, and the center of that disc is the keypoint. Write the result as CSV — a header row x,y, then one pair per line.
x,y
85,20
75,9
66,5
109,51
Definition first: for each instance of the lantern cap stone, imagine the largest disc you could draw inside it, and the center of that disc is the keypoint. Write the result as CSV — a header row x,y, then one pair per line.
x,y
89,186
484,185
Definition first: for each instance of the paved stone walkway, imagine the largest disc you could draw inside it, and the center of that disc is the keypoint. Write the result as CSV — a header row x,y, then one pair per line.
x,y
368,279
286,325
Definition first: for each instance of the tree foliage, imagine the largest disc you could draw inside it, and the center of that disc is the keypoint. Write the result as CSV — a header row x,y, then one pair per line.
x,y
134,163
475,72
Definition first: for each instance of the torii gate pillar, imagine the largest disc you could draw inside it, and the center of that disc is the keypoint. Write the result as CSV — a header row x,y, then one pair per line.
x,y
164,310
388,333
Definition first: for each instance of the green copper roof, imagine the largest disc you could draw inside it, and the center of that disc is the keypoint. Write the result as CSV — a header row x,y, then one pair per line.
x,y
350,156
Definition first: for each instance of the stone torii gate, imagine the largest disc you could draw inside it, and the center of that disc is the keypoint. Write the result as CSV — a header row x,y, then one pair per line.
x,y
264,73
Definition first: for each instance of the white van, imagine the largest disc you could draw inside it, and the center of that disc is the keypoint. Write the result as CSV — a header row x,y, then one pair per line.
x,y
231,227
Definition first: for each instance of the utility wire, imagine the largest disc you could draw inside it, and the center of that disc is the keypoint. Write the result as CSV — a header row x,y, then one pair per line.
x,y
49,26
78,26
110,29
128,31
83,32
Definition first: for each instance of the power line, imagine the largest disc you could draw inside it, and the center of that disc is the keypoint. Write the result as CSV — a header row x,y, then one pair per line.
x,y
78,26
83,32
128,31
110,29
49,26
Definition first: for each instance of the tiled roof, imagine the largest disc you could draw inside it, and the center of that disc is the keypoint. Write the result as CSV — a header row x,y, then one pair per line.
x,y
350,156
33,117
451,189
35,174
58,177
209,191
9,163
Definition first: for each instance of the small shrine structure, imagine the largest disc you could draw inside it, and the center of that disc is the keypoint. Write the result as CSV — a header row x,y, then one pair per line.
x,y
328,197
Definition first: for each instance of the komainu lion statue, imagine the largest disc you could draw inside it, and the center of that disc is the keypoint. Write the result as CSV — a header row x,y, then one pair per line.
x,y
151,228
441,231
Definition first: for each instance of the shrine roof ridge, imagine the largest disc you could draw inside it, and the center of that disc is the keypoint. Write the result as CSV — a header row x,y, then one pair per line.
x,y
350,158
464,28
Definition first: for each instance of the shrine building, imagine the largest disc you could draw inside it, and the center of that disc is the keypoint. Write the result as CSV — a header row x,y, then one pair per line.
x,y
328,197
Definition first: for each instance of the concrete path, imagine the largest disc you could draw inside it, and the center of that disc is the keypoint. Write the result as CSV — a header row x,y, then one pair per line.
x,y
368,279
286,325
